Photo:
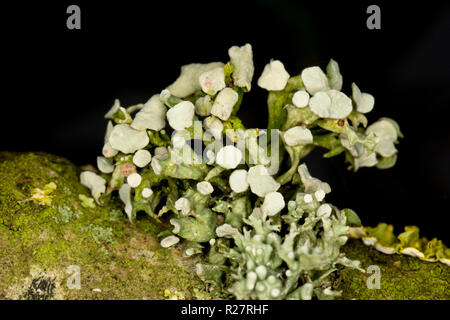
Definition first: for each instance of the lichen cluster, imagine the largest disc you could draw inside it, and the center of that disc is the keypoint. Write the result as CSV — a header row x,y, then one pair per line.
x,y
409,242
238,195
37,246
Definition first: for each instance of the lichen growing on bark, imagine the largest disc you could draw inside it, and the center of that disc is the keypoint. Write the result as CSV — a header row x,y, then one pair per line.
x,y
38,243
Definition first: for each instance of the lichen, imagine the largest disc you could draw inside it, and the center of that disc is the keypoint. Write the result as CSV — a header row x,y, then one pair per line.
x,y
43,196
270,235
409,242
35,249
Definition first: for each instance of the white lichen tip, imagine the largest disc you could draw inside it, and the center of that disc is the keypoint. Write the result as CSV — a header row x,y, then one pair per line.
x,y
300,99
164,95
156,166
142,158
413,252
125,196
383,129
109,128
273,203
181,115
187,83
128,140
261,271
224,103
383,249
274,76
341,105
367,159
94,182
108,151
161,153
331,104
212,81
113,110
308,198
229,157
176,225
251,280
184,205
319,194
169,241
104,165
320,104
238,181
205,187
324,210
210,157
178,141
242,60
335,80
386,148
387,135
203,106
364,101
134,180
297,135
214,126
311,184
275,292
314,80
147,192
151,116
226,231
307,291
260,181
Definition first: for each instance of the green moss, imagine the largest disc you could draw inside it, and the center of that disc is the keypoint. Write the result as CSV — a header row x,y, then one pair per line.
x,y
402,277
40,241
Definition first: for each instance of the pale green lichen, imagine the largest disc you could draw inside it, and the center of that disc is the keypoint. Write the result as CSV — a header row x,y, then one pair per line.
x,y
34,249
409,242
86,202
282,214
66,214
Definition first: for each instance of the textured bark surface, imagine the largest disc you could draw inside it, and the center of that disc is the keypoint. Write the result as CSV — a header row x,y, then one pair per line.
x,y
401,277
38,242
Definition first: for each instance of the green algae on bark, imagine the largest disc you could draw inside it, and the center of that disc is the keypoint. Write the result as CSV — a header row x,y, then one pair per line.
x,y
38,243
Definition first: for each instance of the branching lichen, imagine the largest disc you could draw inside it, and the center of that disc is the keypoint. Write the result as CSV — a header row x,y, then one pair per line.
x,y
244,196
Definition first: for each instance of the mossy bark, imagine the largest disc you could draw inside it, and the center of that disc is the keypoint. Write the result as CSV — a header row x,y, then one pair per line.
x,y
38,243
117,260
401,277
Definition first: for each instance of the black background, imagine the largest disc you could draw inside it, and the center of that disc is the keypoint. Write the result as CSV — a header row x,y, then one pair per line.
x,y
58,83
